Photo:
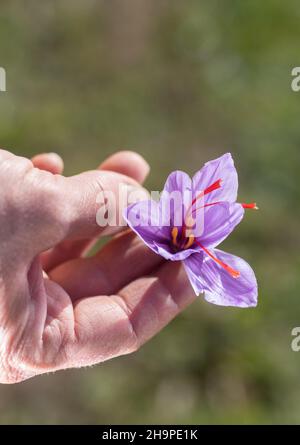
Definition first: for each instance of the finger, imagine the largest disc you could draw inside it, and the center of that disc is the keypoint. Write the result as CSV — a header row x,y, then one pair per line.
x,y
120,261
154,301
84,206
116,325
96,201
65,251
50,162
127,163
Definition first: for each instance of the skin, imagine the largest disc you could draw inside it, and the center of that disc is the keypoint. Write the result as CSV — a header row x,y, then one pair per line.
x,y
58,308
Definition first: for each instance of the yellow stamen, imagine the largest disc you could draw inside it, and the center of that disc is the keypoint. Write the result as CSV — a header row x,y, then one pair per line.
x,y
174,236
189,242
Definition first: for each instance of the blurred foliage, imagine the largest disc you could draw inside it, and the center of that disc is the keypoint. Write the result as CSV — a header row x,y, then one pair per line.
x,y
180,82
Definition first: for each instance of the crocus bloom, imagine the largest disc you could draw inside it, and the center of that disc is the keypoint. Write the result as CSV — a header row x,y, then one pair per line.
x,y
225,279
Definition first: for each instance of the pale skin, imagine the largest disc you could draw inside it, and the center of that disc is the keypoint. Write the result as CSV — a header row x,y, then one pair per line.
x,y
58,308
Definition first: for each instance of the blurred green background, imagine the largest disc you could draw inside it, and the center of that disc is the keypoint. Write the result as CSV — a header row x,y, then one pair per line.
x,y
181,82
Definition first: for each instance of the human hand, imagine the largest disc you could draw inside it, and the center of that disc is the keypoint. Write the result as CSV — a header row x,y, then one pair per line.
x,y
58,308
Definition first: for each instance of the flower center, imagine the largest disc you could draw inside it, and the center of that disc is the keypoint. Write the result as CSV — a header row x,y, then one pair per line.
x,y
186,238
181,241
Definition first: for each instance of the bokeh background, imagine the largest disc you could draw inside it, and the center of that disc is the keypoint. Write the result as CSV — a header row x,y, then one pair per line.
x,y
181,82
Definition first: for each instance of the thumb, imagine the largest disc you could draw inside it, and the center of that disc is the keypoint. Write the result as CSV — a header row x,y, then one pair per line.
x,y
95,201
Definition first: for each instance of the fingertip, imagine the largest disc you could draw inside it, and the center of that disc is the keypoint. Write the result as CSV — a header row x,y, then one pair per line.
x,y
50,162
128,163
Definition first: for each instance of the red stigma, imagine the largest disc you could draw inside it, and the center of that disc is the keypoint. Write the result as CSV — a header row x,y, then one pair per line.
x,y
216,185
234,273
251,205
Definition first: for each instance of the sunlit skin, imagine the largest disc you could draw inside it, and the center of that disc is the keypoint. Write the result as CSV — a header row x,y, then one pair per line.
x,y
58,308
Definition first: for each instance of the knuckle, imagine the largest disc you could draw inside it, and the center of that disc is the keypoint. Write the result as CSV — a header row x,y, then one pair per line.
x,y
12,170
46,207
25,187
45,196
9,161
31,200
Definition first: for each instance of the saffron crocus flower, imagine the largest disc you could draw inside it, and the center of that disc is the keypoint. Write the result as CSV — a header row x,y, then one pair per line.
x,y
225,279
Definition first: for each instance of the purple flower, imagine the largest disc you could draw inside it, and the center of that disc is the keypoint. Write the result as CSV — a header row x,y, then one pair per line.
x,y
190,228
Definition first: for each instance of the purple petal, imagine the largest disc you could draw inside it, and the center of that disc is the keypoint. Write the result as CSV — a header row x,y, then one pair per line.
x,y
144,218
178,181
220,168
219,221
219,286
181,255
175,198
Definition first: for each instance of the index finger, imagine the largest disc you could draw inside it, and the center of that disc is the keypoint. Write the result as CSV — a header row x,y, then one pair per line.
x,y
108,326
